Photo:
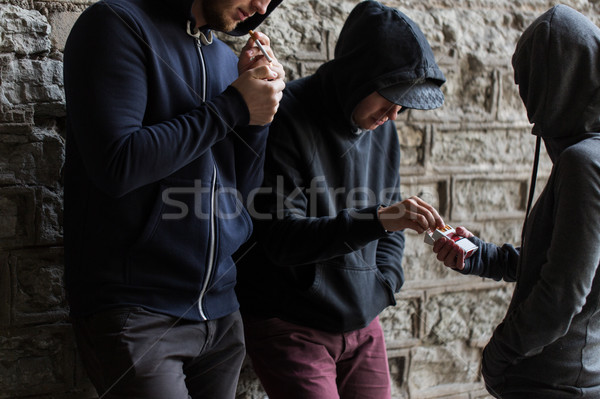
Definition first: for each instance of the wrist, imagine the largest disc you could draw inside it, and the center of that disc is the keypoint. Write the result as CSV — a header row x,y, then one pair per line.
x,y
380,210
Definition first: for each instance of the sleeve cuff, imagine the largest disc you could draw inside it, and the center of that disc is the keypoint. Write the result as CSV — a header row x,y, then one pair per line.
x,y
366,225
232,108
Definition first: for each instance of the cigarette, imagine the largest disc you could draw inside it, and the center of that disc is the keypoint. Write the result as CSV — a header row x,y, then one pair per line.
x,y
260,47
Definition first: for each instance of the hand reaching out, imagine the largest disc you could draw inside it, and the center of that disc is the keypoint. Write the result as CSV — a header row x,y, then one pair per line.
x,y
412,213
449,252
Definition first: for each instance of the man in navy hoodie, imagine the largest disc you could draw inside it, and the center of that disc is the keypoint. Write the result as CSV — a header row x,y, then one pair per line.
x,y
165,138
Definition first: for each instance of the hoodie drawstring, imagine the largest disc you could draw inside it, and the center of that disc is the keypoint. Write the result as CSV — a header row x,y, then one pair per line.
x,y
531,187
193,32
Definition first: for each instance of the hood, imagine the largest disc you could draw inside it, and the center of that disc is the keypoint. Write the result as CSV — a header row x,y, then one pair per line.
x,y
378,47
254,21
557,67
242,29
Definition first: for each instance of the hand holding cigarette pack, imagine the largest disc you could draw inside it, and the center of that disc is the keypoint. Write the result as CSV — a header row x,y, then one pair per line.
x,y
449,232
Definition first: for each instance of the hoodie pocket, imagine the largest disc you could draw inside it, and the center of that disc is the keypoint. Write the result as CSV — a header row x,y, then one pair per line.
x,y
172,249
233,227
232,219
346,297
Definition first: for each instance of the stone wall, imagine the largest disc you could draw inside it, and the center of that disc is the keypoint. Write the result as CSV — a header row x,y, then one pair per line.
x,y
472,159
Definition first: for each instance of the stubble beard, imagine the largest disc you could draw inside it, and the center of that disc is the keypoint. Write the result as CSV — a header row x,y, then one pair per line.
x,y
215,15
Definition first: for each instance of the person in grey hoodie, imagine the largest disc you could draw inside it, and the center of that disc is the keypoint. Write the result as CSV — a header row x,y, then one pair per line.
x,y
326,259
548,345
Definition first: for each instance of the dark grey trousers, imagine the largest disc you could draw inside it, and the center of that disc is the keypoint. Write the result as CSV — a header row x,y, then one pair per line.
x,y
131,353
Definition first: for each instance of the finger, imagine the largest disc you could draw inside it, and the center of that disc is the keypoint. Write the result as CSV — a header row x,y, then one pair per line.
x,y
248,46
248,53
460,260
413,225
417,211
264,39
276,73
463,232
429,217
439,222
277,67
456,257
246,61
263,43
278,85
411,210
252,57
450,260
263,72
425,219
438,244
436,219
251,43
259,59
416,219
445,255
442,255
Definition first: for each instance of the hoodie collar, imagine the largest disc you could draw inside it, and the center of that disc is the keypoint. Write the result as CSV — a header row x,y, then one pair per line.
x,y
205,37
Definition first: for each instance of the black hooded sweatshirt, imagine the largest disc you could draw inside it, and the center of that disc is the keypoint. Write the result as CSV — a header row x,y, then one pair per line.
x,y
323,259
548,345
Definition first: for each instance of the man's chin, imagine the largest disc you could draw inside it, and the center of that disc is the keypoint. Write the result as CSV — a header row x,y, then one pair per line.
x,y
225,26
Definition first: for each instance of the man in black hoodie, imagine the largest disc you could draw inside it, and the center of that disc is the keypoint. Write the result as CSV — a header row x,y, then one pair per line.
x,y
329,252
165,125
548,345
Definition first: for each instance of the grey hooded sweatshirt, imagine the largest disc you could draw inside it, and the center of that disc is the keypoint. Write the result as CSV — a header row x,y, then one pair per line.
x,y
548,345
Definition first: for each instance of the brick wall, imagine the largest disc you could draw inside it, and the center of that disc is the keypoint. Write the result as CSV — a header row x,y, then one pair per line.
x,y
472,159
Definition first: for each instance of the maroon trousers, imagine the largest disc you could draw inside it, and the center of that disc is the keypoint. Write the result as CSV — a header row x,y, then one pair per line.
x,y
297,362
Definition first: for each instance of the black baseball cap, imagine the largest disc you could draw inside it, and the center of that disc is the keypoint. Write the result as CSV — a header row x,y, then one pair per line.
x,y
417,95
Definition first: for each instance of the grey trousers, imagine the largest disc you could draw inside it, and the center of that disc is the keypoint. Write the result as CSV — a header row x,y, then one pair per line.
x,y
131,353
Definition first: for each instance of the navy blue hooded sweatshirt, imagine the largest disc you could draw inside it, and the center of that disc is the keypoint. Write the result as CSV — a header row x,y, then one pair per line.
x,y
159,160
322,258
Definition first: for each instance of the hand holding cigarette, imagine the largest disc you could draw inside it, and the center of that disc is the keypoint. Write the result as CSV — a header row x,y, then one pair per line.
x,y
260,46
261,79
256,52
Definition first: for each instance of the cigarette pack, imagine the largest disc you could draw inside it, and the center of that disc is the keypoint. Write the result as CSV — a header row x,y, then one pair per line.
x,y
449,232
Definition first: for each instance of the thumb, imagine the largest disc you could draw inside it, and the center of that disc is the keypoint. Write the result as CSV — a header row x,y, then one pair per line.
x,y
263,72
413,225
461,231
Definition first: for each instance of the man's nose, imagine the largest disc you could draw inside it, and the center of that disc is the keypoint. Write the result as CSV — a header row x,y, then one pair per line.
x,y
260,5
393,112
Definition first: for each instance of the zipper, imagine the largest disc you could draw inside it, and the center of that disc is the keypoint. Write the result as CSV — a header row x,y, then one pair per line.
x,y
203,67
210,263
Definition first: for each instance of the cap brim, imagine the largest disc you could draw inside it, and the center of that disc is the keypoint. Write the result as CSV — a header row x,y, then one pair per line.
x,y
426,95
